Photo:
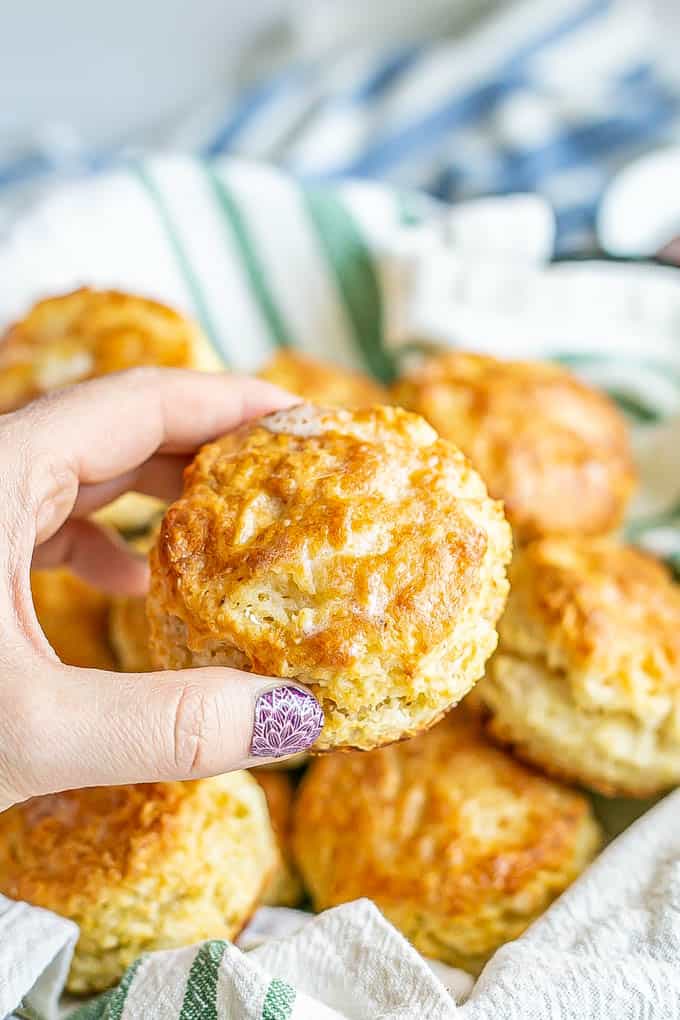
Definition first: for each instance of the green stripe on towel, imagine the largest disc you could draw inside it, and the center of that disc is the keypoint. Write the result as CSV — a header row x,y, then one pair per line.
x,y
109,1006
634,408
352,266
200,997
250,260
181,258
279,1001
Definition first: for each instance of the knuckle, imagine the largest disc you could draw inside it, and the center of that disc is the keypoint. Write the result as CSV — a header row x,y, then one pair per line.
x,y
190,730
53,489
50,475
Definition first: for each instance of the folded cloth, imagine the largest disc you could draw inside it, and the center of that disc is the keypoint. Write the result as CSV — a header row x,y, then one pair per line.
x,y
36,948
608,949
347,964
550,96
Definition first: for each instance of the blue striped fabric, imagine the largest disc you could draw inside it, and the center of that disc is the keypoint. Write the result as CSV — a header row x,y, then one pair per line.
x,y
526,102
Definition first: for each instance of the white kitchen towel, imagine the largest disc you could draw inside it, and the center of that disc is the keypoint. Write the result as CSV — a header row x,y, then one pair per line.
x,y
36,948
609,948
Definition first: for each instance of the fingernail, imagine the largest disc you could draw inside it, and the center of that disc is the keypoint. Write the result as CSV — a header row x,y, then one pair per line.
x,y
287,720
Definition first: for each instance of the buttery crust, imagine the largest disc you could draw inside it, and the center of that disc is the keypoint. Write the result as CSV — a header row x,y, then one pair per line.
x,y
554,450
321,382
458,844
152,866
353,551
285,888
74,618
586,680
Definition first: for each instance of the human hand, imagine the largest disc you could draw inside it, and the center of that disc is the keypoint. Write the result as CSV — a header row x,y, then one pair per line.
x,y
61,727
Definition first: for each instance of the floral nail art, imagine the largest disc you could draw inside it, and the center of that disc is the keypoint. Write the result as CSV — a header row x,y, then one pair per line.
x,y
287,721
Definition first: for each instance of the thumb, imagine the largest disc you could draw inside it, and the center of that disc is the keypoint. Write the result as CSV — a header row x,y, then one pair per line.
x,y
112,728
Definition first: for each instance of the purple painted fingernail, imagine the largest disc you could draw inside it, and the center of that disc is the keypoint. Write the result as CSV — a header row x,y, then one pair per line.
x,y
287,721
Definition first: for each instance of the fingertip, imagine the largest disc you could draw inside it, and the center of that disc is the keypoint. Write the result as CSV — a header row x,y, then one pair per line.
x,y
287,721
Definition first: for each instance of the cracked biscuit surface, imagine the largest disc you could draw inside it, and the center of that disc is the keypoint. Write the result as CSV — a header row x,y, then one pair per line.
x,y
353,551
88,333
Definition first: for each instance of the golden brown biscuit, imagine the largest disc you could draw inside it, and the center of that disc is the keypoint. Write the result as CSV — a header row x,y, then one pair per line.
x,y
88,333
321,382
553,449
459,845
285,888
138,868
586,680
129,634
74,618
353,551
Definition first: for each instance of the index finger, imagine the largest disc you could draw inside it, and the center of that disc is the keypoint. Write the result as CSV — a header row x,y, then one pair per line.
x,y
98,430
102,428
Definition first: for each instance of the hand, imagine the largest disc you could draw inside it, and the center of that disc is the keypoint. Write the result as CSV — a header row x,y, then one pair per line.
x,y
61,458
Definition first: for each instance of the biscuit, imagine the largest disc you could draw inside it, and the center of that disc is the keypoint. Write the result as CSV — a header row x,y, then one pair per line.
x,y
285,888
74,618
87,333
586,680
458,844
554,450
129,634
152,866
352,551
320,382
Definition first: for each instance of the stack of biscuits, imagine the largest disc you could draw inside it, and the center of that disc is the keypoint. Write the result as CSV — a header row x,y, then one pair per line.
x,y
437,559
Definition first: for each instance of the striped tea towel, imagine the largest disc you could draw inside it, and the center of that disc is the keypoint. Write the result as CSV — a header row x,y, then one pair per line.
x,y
547,96
301,977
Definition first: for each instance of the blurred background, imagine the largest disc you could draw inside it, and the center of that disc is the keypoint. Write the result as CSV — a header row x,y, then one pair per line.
x,y
457,97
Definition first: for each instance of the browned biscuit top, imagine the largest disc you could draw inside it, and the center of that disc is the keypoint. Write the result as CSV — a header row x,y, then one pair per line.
x,y
553,449
352,550
444,826
595,607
